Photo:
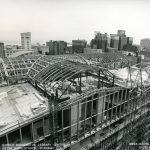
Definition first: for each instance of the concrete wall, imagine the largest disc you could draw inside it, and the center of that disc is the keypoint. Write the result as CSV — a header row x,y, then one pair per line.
x,y
74,117
100,107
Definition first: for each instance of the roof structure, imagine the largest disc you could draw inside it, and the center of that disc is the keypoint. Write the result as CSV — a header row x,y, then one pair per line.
x,y
55,72
17,103
107,60
13,67
21,52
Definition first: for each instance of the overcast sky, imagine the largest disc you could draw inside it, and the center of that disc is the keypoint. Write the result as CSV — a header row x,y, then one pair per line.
x,y
73,19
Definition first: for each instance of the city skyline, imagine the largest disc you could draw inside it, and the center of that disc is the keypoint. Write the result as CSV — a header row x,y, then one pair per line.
x,y
69,20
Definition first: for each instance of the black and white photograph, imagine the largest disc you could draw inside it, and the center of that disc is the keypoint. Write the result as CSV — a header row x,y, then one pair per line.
x,y
74,74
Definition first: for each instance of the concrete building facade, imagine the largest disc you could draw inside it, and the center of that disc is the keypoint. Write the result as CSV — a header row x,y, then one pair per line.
x,y
121,32
26,40
145,44
57,47
122,42
130,40
114,42
99,41
78,46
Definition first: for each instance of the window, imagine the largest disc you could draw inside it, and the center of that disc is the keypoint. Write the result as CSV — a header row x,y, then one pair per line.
x,y
40,131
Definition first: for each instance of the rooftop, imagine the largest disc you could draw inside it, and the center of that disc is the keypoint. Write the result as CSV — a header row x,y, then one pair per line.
x,y
19,103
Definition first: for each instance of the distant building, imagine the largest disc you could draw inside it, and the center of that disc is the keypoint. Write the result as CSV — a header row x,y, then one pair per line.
x,y
99,41
43,49
114,41
15,52
145,44
122,42
11,50
69,49
78,46
10,47
26,40
121,33
145,55
130,40
57,47
2,51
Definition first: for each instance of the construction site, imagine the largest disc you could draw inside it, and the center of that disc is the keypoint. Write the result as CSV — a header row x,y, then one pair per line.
x,y
74,102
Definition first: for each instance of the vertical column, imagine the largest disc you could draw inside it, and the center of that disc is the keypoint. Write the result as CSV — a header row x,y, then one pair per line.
x,y
106,111
78,117
33,136
112,106
33,132
99,79
80,90
116,110
101,107
91,114
43,128
85,114
62,125
75,115
70,127
7,139
124,101
20,134
120,102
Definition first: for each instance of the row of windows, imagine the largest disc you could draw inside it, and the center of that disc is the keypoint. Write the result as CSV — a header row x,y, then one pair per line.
x,y
86,116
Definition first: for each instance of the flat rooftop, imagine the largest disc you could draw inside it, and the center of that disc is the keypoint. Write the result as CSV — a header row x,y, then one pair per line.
x,y
19,103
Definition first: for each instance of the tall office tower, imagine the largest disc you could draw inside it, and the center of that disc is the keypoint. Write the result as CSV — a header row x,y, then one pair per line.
x,y
99,41
121,32
62,47
2,51
122,42
130,40
50,45
26,40
57,47
145,44
114,41
78,46
122,39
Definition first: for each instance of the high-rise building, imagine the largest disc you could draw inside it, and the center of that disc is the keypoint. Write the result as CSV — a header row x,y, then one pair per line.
x,y
50,45
145,44
57,47
26,40
119,40
99,41
122,42
121,32
114,42
2,51
130,40
122,39
78,46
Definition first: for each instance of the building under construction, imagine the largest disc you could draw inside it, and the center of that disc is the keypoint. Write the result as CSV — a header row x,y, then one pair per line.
x,y
74,102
